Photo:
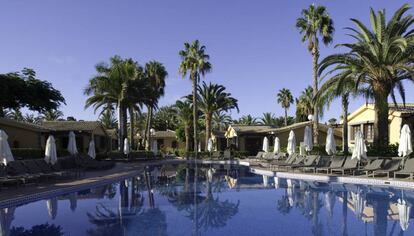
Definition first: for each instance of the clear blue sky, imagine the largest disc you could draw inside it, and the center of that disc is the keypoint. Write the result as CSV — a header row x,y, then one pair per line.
x,y
254,46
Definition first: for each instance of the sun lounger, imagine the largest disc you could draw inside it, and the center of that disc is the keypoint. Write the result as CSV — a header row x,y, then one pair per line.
x,y
336,162
349,166
17,169
309,161
389,167
216,155
407,170
259,155
8,180
227,154
34,169
372,165
46,168
280,155
269,156
293,159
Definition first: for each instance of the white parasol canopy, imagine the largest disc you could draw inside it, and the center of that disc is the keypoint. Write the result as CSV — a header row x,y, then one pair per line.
x,y
265,147
210,145
307,139
127,149
50,150
91,149
154,146
291,147
52,207
72,149
6,155
360,149
404,210
405,147
276,146
330,146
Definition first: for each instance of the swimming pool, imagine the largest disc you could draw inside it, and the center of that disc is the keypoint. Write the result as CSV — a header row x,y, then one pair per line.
x,y
225,200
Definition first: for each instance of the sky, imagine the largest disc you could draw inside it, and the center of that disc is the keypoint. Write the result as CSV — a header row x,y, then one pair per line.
x,y
254,46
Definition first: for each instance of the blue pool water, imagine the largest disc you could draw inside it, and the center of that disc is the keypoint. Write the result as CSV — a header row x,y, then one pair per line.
x,y
225,200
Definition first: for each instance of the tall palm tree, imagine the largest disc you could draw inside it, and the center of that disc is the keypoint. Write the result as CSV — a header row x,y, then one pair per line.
x,y
213,98
333,89
195,62
119,84
51,115
108,119
315,22
156,74
185,116
268,118
285,98
379,59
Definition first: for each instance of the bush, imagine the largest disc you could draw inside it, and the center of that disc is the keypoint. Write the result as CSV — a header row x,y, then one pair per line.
x,y
27,153
390,151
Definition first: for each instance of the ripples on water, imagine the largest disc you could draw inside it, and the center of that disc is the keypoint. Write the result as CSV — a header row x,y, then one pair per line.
x,y
225,200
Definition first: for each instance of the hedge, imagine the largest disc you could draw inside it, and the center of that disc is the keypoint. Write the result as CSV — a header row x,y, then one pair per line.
x,y
33,153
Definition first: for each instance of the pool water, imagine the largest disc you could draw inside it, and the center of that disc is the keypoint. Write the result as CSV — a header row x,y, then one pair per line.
x,y
224,200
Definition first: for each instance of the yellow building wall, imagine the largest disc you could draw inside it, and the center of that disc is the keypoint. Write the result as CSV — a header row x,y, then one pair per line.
x,y
22,138
368,116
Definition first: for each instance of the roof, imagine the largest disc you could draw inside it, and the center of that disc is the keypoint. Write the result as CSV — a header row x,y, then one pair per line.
x,y
407,109
73,125
251,128
164,134
393,109
23,125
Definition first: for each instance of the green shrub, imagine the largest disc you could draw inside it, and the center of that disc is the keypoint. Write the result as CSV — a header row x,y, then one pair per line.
x,y
27,153
390,151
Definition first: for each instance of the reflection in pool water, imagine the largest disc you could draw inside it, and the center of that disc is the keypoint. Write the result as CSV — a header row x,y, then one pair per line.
x,y
215,200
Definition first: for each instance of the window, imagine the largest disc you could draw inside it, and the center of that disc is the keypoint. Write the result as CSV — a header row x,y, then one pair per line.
x,y
369,131
354,130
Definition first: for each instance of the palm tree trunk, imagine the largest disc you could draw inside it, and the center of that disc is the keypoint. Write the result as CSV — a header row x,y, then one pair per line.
x,y
124,122
315,55
131,128
148,144
285,116
195,114
187,138
381,118
208,128
345,103
144,141
120,127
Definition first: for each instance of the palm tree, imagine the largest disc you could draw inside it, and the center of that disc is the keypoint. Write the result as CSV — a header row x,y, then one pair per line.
x,y
118,84
247,120
213,98
52,115
379,60
108,119
16,115
195,62
268,118
221,120
185,116
304,104
333,89
156,74
315,22
285,98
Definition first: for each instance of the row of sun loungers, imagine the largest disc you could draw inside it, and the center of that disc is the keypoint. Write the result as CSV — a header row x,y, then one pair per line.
x,y
36,170
389,167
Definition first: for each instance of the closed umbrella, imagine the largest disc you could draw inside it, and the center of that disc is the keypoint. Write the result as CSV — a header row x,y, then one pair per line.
x,y
405,147
126,146
307,139
291,147
404,210
199,147
154,146
50,150
6,155
72,149
52,207
276,146
330,146
360,149
210,145
265,144
91,149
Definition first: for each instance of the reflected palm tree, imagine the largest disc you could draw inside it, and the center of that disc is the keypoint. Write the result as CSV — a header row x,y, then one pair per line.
x,y
344,225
